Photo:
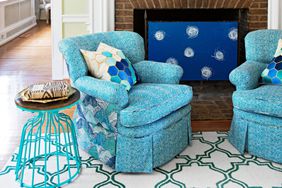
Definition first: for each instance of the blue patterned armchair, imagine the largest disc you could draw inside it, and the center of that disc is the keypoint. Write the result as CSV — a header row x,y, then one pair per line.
x,y
257,121
131,131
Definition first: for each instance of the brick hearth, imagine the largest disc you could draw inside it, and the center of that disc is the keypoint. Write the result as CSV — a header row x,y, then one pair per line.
x,y
257,9
208,102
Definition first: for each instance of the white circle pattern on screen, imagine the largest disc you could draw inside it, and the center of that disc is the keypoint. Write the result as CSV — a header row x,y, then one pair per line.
x,y
206,72
189,52
192,31
159,35
233,34
218,55
172,60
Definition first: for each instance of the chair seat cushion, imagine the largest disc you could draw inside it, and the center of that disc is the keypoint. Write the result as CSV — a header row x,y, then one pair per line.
x,y
264,100
157,126
150,102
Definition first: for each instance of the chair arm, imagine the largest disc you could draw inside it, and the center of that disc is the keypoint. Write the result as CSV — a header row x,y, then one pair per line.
x,y
157,72
247,75
110,92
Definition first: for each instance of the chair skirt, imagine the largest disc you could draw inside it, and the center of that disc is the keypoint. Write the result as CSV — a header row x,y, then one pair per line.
x,y
258,134
138,149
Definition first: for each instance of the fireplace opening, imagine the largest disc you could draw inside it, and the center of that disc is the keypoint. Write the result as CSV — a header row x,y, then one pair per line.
x,y
207,43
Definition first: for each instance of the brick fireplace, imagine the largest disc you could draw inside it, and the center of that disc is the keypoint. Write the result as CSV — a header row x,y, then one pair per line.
x,y
212,99
257,9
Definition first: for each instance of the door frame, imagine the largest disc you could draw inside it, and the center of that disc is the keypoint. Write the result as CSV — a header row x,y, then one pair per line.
x,y
56,36
100,18
274,14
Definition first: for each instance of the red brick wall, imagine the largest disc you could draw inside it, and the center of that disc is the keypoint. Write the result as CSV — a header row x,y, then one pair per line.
x,y
257,9
208,103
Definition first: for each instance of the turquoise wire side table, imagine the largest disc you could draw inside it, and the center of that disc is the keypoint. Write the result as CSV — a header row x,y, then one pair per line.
x,y
48,154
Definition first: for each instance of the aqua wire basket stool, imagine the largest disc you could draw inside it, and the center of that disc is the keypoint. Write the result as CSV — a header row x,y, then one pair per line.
x,y
48,155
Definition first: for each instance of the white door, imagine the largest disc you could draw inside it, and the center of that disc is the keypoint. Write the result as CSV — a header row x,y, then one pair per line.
x,y
71,18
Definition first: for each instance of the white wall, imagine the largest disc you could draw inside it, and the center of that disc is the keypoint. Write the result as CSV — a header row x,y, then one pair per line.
x,y
274,14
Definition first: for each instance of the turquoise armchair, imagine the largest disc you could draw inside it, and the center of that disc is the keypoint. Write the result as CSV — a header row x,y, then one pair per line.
x,y
257,121
133,131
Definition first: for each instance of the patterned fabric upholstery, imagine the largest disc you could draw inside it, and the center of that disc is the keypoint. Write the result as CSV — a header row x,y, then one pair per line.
x,y
247,75
156,72
130,43
163,123
150,102
258,134
261,45
264,100
96,123
257,121
112,92
158,110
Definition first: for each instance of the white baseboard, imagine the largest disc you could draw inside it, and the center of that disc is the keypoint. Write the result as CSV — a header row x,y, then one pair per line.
x,y
14,26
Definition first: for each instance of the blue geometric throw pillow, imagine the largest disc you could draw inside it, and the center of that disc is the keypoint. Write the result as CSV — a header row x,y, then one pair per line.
x,y
110,64
273,72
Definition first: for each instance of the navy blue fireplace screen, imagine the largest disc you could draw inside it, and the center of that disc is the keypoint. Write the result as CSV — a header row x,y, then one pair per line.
x,y
205,50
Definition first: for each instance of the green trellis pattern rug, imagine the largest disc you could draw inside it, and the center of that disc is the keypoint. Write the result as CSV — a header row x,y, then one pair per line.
x,y
210,162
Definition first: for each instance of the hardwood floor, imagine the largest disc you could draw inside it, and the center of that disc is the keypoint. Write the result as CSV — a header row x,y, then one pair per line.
x,y
23,61
212,125
27,60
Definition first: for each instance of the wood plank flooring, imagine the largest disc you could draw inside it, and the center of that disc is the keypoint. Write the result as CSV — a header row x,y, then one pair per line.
x,y
27,60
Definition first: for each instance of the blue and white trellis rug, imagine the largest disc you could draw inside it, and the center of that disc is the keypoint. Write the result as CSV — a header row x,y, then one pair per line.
x,y
210,162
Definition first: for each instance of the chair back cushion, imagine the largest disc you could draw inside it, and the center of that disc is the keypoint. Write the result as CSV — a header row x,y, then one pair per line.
x,y
261,45
130,43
